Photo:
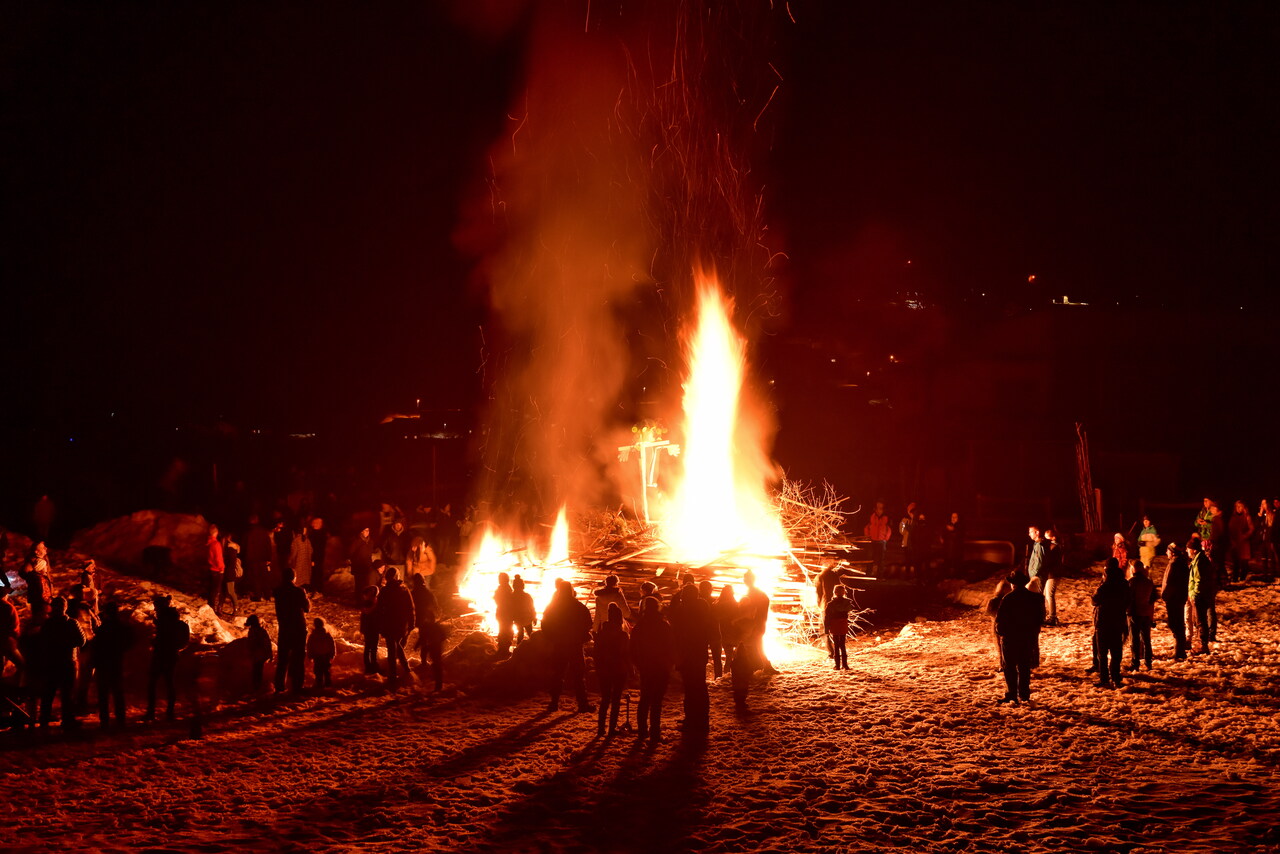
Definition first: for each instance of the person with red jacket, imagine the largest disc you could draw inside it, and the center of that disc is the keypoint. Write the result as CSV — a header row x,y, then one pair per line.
x,y
217,569
879,529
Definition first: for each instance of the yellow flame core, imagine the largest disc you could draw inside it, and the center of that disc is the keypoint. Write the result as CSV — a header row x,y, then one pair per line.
x,y
495,554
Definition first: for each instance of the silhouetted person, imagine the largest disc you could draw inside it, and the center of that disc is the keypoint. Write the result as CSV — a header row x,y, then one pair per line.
x,y
395,546
1111,625
369,629
1018,620
260,649
726,614
321,649
234,571
1177,576
1142,612
653,651
706,592
752,623
292,606
504,613
566,623
361,555
523,610
59,639
1050,572
172,637
394,618
301,560
431,632
110,643
37,573
693,626
835,620
612,665
257,558
606,594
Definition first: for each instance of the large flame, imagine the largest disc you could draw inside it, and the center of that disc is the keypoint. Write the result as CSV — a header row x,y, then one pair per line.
x,y
721,507
494,554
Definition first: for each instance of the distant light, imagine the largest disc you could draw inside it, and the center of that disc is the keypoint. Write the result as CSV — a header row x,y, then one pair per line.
x,y
833,361
908,263
71,439
1031,278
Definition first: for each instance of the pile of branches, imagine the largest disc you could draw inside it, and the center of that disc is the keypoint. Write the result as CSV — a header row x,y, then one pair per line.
x,y
606,531
810,513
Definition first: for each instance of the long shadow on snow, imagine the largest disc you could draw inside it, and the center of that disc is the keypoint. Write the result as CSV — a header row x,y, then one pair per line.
x,y
643,808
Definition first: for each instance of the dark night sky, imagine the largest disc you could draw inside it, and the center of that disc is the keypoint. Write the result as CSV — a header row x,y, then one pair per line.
x,y
248,209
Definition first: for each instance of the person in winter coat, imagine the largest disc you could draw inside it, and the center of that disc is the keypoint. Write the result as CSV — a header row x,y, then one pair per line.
x,y
567,626
612,665
395,547
1142,612
172,637
36,573
1240,535
59,639
1050,570
1111,623
693,626
260,648
431,632
1202,588
321,649
257,558
706,591
302,560
361,555
1177,578
292,605
233,572
10,628
369,629
523,610
726,613
653,651
605,595
504,613
1120,550
215,562
1003,589
879,528
110,644
835,621
395,620
1018,620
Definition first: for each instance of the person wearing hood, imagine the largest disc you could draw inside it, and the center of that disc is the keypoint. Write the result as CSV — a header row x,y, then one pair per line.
x,y
653,651
1142,612
609,593
611,664
567,625
395,620
1111,624
1019,617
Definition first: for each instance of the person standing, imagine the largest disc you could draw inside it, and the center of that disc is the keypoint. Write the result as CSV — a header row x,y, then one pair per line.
x,y
1240,533
233,571
1111,623
110,643
319,537
1050,570
504,613
260,649
395,621
726,611
1033,563
1204,521
431,632
59,638
1266,530
835,620
10,629
905,527
216,564
1202,587
1173,591
1219,545
1148,542
1120,550
878,530
653,651
301,560
611,665
37,574
369,629
606,594
1018,619
172,636
362,560
256,557
321,649
292,605
395,547
693,625
522,610
567,624
1142,611
705,591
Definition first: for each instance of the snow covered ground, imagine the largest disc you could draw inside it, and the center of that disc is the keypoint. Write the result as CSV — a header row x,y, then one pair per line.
x,y
905,751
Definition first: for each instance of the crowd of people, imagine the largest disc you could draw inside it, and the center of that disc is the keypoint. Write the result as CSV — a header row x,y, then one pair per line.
x,y
1218,554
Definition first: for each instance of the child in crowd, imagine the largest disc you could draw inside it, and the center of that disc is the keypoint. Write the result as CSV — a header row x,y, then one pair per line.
x,y
321,649
260,648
